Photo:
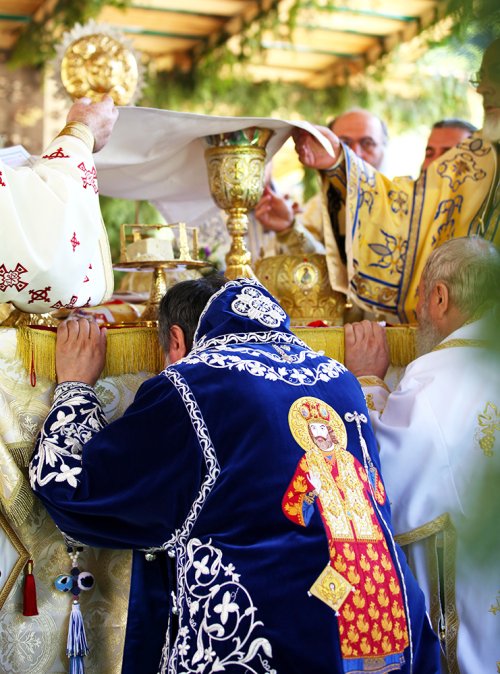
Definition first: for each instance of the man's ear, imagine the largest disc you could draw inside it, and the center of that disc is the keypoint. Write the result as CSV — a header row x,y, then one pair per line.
x,y
177,344
439,303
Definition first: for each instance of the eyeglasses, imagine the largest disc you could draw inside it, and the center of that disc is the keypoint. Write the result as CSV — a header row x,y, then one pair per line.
x,y
493,76
475,80
366,143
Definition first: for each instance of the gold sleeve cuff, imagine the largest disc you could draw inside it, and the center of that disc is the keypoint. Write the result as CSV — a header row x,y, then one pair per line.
x,y
373,380
81,131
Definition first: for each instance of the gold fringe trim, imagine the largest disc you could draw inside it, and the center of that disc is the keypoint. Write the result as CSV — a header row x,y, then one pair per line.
x,y
21,504
21,452
401,341
137,349
19,564
22,501
129,350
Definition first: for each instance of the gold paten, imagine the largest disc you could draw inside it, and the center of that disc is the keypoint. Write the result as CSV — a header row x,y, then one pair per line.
x,y
235,163
99,64
301,285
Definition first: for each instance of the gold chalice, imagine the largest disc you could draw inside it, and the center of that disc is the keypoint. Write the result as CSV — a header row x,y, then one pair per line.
x,y
235,163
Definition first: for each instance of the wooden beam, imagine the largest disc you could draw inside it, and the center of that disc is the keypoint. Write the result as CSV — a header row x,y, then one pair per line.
x,y
171,22
201,7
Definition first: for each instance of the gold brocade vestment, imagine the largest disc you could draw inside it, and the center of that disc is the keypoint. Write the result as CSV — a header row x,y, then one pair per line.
x,y
391,227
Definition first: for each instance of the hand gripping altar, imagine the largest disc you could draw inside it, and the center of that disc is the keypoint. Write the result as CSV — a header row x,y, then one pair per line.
x,y
246,478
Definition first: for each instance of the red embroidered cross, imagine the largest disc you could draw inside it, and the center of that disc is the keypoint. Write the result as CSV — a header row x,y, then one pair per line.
x,y
11,278
74,242
86,279
58,154
87,304
60,305
89,177
2,184
41,295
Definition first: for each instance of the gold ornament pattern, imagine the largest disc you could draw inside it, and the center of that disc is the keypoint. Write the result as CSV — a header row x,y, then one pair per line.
x,y
99,64
37,644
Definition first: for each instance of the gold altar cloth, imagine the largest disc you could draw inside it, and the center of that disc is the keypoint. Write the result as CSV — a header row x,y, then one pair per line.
x,y
37,644
136,349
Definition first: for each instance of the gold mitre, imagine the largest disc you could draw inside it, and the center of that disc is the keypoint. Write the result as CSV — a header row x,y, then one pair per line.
x,y
96,59
301,284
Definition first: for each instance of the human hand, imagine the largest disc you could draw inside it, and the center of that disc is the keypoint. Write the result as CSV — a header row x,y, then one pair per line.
x,y
273,211
310,151
100,117
315,480
366,349
80,351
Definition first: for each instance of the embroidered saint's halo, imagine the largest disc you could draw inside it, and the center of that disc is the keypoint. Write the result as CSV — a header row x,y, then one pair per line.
x,y
251,302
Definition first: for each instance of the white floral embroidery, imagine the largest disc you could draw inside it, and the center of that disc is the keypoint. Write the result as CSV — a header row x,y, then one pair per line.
x,y
253,304
75,416
221,635
178,541
326,370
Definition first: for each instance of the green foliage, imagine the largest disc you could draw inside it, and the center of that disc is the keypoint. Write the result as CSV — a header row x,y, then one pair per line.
x,y
37,43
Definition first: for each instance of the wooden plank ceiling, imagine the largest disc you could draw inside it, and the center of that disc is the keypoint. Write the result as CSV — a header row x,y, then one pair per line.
x,y
327,44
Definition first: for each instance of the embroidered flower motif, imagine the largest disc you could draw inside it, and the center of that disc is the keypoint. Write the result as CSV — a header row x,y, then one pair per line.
x,y
201,568
67,474
296,376
61,420
489,425
231,644
226,607
392,254
74,418
183,648
253,304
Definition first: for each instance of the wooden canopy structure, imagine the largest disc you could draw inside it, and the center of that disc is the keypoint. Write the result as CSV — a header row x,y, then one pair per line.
x,y
330,39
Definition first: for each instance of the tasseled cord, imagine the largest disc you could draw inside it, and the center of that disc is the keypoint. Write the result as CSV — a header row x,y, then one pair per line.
x,y
29,592
76,647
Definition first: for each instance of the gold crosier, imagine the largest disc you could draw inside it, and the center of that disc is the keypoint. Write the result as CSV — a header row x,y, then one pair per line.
x,y
235,164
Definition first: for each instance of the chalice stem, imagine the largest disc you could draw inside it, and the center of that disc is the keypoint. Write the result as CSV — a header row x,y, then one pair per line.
x,y
238,259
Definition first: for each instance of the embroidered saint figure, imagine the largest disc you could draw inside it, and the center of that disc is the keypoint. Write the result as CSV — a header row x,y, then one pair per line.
x,y
360,581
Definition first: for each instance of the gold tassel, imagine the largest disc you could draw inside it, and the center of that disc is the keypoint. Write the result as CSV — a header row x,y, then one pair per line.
x,y
133,350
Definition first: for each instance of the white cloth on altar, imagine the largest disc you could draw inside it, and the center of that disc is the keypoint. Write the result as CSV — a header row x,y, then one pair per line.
x,y
429,432
54,248
158,155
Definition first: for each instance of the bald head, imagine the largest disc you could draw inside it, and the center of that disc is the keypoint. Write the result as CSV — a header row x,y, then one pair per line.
x,y
364,133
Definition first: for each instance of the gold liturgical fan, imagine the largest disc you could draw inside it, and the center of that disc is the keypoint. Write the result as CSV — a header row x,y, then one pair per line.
x,y
151,248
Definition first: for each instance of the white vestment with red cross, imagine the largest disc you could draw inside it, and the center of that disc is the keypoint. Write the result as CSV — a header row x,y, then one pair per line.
x,y
54,250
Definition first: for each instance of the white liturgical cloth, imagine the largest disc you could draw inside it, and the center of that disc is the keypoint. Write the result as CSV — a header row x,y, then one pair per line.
x,y
158,155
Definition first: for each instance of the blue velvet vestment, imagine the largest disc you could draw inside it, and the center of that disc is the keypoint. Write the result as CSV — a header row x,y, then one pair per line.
x,y
251,468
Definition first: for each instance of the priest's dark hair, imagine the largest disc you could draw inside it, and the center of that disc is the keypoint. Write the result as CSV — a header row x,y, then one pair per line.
x,y
183,304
